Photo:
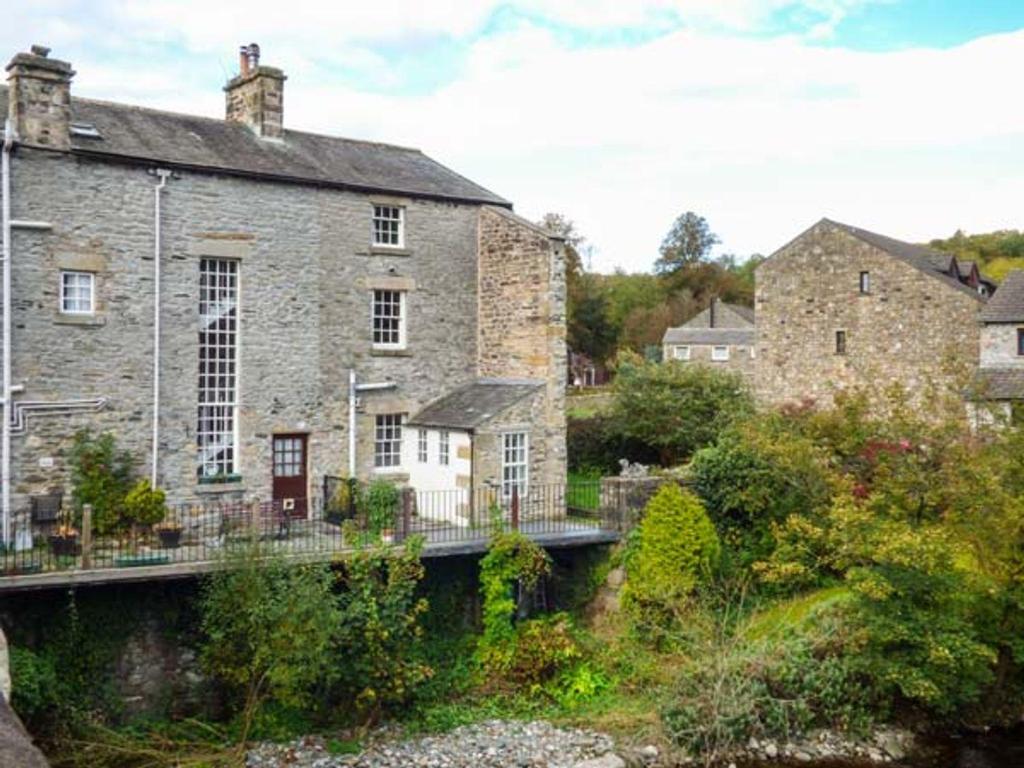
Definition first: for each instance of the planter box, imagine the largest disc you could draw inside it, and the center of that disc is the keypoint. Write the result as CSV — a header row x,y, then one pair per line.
x,y
65,546
170,538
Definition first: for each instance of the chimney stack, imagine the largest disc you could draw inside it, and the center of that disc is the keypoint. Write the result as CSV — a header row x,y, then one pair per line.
x,y
711,314
39,99
255,97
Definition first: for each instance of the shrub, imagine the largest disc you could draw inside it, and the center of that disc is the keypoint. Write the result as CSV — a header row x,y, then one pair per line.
x,y
377,648
380,504
754,478
674,408
144,505
34,686
674,548
101,476
269,627
544,648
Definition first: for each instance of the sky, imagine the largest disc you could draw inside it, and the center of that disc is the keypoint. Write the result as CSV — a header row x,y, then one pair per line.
x,y
763,116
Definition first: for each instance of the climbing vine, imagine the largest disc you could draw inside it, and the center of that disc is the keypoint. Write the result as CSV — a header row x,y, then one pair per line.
x,y
511,558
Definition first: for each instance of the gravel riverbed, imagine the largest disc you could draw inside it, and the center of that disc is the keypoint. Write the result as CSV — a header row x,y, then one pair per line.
x,y
492,744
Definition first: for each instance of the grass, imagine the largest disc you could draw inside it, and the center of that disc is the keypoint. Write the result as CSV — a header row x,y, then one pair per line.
x,y
583,490
791,614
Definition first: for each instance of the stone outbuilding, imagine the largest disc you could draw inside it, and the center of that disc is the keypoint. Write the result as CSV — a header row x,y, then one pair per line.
x,y
1001,366
721,335
250,308
841,307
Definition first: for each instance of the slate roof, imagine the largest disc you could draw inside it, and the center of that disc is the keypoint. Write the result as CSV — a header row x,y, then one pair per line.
x,y
999,384
154,137
470,406
684,335
927,260
1007,303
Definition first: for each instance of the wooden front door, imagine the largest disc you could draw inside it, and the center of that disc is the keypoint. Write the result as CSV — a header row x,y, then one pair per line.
x,y
291,485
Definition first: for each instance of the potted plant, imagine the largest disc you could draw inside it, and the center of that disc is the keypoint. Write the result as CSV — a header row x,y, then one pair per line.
x,y
381,501
169,533
144,506
64,541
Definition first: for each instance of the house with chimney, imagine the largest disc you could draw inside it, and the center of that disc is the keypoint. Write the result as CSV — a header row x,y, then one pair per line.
x,y
1000,379
250,308
721,335
840,307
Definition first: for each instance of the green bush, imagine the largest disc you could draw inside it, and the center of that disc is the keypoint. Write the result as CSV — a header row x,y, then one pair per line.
x,y
380,504
377,649
754,478
674,549
144,505
597,444
269,628
676,409
101,475
544,648
34,687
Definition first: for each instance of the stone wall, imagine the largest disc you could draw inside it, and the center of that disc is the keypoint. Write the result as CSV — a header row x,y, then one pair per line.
x,y
306,278
913,329
522,322
999,346
741,357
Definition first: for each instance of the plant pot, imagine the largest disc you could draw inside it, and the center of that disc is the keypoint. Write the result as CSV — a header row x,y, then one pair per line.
x,y
387,536
170,538
65,546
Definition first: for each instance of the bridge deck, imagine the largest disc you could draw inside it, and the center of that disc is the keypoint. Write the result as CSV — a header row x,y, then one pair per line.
x,y
305,541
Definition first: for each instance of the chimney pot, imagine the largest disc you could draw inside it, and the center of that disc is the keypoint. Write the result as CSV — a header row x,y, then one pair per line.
x,y
40,50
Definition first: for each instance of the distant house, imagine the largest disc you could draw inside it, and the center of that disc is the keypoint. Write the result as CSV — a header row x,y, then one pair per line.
x,y
721,335
1001,365
841,307
584,371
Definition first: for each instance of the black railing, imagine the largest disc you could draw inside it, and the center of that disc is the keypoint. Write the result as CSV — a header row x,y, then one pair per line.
x,y
341,519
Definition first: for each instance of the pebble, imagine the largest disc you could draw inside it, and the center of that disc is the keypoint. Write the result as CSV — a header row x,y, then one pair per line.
x,y
491,744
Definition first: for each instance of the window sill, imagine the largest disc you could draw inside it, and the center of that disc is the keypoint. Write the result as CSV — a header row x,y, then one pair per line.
x,y
218,488
390,353
383,250
86,321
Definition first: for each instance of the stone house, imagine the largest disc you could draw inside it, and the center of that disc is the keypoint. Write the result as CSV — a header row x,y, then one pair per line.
x,y
250,308
842,307
721,335
1001,366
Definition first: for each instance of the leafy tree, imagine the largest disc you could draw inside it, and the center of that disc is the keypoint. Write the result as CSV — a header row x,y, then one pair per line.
x,y
689,241
995,252
676,408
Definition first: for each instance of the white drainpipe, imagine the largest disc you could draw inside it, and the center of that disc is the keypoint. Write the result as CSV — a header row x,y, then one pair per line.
x,y
5,466
163,175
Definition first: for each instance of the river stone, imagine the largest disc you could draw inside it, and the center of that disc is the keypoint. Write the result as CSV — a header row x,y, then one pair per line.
x,y
5,669
16,747
605,761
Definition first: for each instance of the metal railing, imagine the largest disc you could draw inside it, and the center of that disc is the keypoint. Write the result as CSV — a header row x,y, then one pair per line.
x,y
317,527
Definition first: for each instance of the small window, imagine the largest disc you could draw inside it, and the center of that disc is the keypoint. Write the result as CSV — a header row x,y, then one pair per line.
x,y
720,354
388,226
444,448
387,441
421,446
77,293
1020,341
865,282
389,319
681,353
840,342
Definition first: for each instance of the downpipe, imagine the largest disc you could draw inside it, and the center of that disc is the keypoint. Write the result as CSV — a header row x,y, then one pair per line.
x,y
163,175
5,440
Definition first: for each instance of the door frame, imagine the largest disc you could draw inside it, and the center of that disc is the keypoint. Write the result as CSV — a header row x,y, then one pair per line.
x,y
304,437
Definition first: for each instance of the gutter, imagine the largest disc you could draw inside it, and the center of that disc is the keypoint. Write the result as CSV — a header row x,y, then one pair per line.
x,y
5,440
163,175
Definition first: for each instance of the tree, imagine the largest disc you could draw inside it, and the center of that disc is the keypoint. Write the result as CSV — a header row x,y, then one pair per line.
x,y
676,408
688,242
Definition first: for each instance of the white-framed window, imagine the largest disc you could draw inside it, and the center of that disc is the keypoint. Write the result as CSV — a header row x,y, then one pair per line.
x,y
421,446
444,447
720,354
388,319
681,353
217,424
387,440
515,464
388,226
77,292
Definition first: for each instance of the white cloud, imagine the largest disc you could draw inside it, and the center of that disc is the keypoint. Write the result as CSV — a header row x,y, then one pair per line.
x,y
762,136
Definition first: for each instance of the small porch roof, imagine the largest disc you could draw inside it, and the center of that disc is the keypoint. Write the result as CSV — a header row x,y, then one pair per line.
x,y
473,404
